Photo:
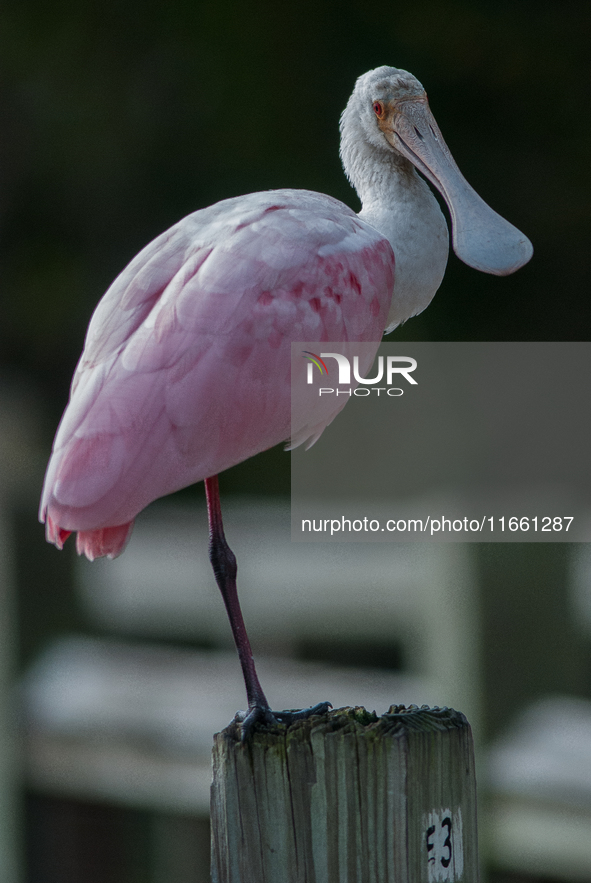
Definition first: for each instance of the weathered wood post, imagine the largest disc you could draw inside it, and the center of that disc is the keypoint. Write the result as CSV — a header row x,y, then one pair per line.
x,y
347,798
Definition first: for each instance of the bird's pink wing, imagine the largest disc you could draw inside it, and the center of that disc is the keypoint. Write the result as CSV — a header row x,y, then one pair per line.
x,y
186,366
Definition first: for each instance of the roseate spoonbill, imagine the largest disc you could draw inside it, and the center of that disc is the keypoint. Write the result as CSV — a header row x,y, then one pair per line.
x,y
186,365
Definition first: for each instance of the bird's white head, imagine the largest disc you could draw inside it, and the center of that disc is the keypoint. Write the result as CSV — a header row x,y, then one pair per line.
x,y
387,131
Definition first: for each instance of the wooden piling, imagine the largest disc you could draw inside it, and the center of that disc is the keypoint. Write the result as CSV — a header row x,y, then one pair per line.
x,y
347,798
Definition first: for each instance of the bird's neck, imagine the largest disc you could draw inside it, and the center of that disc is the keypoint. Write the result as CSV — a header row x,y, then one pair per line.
x,y
398,203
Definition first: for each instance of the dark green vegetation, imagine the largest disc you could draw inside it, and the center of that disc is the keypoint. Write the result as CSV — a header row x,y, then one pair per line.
x,y
118,121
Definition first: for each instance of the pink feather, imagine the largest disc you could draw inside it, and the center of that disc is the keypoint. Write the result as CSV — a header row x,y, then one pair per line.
x,y
186,367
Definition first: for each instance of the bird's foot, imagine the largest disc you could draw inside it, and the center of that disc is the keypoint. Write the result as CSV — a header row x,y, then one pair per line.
x,y
260,714
288,717
257,714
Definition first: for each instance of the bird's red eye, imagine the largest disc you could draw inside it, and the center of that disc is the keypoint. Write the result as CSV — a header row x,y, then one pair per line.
x,y
378,109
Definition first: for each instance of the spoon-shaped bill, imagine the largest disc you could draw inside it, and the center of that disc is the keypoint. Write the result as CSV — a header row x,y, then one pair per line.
x,y
480,237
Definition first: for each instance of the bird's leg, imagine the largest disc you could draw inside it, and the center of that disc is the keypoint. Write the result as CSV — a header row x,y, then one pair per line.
x,y
223,562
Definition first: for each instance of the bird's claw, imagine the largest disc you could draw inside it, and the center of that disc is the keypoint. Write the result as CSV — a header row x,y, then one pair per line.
x,y
260,714
288,717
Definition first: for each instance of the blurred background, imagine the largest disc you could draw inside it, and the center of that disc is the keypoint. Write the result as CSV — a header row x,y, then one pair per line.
x,y
117,120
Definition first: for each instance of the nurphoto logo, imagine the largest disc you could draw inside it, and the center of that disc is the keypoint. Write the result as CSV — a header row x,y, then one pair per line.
x,y
395,368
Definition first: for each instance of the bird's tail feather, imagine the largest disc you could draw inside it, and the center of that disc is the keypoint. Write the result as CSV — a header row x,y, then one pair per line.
x,y
103,542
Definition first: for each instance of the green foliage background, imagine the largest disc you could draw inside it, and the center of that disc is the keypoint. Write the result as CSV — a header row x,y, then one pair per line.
x,y
119,119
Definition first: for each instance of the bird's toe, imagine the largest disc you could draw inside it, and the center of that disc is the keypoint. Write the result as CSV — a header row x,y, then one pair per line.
x,y
288,717
260,714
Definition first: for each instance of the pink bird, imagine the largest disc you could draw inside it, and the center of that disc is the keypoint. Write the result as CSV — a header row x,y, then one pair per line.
x,y
186,366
